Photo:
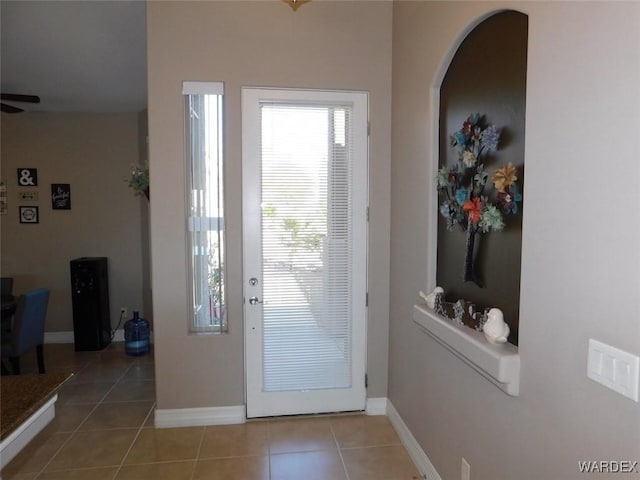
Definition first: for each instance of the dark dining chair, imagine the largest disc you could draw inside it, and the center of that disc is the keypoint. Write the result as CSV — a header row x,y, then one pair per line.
x,y
6,286
27,330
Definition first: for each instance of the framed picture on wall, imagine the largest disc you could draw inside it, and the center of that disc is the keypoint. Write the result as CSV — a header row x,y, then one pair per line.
x,y
28,196
29,215
28,177
3,199
61,196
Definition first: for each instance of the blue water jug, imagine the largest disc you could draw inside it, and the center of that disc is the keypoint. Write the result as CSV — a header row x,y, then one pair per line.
x,y
136,336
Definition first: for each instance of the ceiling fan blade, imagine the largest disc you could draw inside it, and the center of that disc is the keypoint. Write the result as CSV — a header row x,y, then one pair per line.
x,y
9,108
14,97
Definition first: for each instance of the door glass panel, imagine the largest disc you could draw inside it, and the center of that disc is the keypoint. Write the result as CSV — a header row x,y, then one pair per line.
x,y
306,246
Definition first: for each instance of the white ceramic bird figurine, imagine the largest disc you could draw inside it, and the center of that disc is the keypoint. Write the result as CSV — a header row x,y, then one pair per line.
x,y
430,299
495,329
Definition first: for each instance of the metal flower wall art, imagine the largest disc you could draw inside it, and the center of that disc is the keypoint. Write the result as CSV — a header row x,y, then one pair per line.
x,y
467,202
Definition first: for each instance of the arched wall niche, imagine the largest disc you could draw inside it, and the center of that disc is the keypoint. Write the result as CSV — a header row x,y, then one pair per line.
x,y
485,73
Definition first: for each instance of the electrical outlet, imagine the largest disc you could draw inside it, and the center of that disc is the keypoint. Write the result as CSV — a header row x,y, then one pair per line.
x,y
123,312
465,470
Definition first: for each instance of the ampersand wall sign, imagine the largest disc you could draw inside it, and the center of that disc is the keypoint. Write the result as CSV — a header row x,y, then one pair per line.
x,y
28,177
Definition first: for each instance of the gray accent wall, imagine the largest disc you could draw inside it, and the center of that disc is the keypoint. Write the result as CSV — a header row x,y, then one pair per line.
x,y
487,76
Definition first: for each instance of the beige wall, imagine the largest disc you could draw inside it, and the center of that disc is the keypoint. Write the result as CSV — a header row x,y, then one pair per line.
x,y
580,261
145,238
335,45
93,153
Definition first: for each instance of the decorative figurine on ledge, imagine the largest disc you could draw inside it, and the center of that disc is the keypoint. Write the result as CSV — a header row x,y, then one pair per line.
x,y
430,299
489,321
495,329
460,312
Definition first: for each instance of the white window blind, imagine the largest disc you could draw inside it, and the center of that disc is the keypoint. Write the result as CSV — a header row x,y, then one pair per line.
x,y
205,216
306,246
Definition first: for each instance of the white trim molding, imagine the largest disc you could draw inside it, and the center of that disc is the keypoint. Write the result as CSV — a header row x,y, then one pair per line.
x,y
416,453
197,417
500,364
68,337
21,436
376,406
118,336
58,337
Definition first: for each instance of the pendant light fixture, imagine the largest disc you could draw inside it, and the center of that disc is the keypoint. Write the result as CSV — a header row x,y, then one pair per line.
x,y
295,4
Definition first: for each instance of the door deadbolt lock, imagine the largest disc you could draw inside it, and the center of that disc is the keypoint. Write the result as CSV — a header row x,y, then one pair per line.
x,y
254,300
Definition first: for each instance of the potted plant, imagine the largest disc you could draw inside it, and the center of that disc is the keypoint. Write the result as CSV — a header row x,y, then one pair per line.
x,y
216,293
139,180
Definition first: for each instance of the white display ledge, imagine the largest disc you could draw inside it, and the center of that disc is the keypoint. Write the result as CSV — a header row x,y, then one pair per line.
x,y
500,364
21,436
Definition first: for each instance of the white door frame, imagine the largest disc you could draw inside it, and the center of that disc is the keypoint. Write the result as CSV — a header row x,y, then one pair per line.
x,y
258,402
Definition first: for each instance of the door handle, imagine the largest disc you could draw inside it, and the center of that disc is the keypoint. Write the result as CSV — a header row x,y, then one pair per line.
x,y
254,300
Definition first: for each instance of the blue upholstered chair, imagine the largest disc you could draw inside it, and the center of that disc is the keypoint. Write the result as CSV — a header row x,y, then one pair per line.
x,y
27,330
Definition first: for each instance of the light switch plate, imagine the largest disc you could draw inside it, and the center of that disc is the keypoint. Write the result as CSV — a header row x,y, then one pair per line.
x,y
614,368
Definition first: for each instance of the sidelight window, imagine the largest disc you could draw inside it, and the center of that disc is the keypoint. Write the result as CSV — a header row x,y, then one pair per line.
x,y
205,204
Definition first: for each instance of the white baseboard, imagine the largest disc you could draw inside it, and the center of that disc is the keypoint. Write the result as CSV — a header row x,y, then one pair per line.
x,y
376,406
420,459
67,337
58,337
197,417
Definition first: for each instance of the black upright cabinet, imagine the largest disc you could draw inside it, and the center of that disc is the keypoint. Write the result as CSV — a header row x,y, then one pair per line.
x,y
90,299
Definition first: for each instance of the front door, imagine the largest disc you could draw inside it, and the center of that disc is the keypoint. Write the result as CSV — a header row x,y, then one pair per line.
x,y
305,250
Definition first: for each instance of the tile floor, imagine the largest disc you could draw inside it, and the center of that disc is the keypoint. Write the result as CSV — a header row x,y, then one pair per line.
x,y
103,430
